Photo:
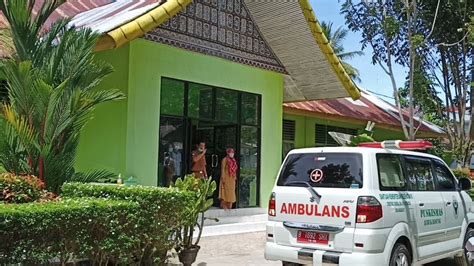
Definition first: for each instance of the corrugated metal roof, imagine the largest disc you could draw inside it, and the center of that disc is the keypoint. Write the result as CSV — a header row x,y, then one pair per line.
x,y
368,108
102,16
294,34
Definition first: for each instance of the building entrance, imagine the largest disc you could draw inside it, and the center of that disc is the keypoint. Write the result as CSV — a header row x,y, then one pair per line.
x,y
193,113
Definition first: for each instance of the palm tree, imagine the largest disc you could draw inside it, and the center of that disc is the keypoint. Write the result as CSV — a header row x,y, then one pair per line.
x,y
336,38
51,81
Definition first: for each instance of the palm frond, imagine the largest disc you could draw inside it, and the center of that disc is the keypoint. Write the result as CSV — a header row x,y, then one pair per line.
x,y
350,55
336,39
20,127
6,43
92,176
91,99
351,71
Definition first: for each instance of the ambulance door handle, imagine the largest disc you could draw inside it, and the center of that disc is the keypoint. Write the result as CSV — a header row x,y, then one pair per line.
x,y
448,203
421,204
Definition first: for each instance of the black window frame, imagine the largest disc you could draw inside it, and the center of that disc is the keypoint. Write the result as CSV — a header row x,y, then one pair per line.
x,y
404,175
435,162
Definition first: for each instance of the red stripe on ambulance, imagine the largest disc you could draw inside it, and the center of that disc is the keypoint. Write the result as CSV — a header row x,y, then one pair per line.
x,y
315,210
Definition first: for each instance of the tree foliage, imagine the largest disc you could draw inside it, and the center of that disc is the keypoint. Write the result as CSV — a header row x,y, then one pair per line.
x,y
430,39
336,38
51,80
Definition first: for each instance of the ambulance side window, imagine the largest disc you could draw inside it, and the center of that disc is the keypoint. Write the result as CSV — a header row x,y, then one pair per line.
x,y
390,172
444,178
420,174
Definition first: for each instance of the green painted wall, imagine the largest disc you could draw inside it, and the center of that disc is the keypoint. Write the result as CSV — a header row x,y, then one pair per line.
x,y
150,61
305,130
102,142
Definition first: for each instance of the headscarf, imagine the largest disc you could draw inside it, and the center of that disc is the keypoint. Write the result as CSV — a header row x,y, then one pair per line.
x,y
231,163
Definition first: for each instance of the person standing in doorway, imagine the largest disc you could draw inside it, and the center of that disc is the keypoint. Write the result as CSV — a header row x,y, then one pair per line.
x,y
199,161
228,180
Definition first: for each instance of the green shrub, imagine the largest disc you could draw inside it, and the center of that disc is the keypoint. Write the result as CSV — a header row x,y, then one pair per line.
x,y
97,229
162,212
106,224
461,173
20,189
362,138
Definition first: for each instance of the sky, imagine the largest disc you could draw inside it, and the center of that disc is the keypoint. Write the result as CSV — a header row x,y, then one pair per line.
x,y
373,78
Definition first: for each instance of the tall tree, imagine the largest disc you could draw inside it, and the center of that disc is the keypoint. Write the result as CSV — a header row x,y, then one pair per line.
x,y
336,39
51,79
429,37
389,28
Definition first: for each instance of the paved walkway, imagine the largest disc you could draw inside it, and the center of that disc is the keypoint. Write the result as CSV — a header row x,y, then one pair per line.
x,y
244,250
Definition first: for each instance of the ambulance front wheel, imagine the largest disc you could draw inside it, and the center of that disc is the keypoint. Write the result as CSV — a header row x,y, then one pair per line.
x,y
467,257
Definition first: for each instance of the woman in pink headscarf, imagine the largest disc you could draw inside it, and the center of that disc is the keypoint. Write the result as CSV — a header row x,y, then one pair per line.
x,y
228,178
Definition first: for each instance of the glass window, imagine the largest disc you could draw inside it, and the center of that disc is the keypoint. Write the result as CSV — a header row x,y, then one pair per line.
x,y
250,107
420,170
322,137
289,128
247,182
340,170
226,105
200,101
444,178
172,97
390,172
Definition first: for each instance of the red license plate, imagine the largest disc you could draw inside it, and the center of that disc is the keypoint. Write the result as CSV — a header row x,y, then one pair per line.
x,y
312,237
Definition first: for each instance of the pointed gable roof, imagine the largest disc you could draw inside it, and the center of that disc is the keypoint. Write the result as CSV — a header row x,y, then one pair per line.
x,y
292,42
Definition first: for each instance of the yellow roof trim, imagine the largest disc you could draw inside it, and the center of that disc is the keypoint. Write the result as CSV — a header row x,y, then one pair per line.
x,y
326,48
141,25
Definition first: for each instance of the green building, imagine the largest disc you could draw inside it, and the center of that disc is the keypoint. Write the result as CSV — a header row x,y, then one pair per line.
x,y
214,71
218,71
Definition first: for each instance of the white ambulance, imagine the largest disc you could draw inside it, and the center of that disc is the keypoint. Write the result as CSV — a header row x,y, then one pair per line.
x,y
372,205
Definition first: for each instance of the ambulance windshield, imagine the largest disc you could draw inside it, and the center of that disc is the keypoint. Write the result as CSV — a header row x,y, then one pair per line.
x,y
339,170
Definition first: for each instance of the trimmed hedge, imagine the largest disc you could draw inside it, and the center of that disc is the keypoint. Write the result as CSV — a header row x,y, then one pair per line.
x,y
162,212
102,223
36,233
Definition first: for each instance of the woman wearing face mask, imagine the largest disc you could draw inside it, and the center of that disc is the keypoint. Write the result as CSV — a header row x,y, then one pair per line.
x,y
228,178
199,161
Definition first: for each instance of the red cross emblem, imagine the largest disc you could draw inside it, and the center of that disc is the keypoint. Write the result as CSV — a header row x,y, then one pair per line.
x,y
316,175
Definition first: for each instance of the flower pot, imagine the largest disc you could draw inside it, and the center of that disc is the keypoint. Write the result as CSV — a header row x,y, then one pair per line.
x,y
187,256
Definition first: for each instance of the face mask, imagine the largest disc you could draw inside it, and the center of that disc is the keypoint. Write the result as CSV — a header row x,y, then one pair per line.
x,y
200,150
170,149
231,155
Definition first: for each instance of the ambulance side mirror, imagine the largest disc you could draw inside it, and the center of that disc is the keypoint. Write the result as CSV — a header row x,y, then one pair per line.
x,y
465,184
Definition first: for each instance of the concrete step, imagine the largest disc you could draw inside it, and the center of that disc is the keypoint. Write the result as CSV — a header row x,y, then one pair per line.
x,y
233,228
235,219
216,212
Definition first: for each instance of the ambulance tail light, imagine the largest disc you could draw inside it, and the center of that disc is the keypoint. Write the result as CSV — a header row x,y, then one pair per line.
x,y
398,144
272,205
369,209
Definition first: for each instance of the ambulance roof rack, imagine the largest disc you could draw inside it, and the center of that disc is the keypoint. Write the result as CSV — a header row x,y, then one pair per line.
x,y
398,144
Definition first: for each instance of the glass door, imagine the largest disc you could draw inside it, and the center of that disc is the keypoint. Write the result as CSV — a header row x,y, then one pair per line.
x,y
192,113
225,137
248,185
171,149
